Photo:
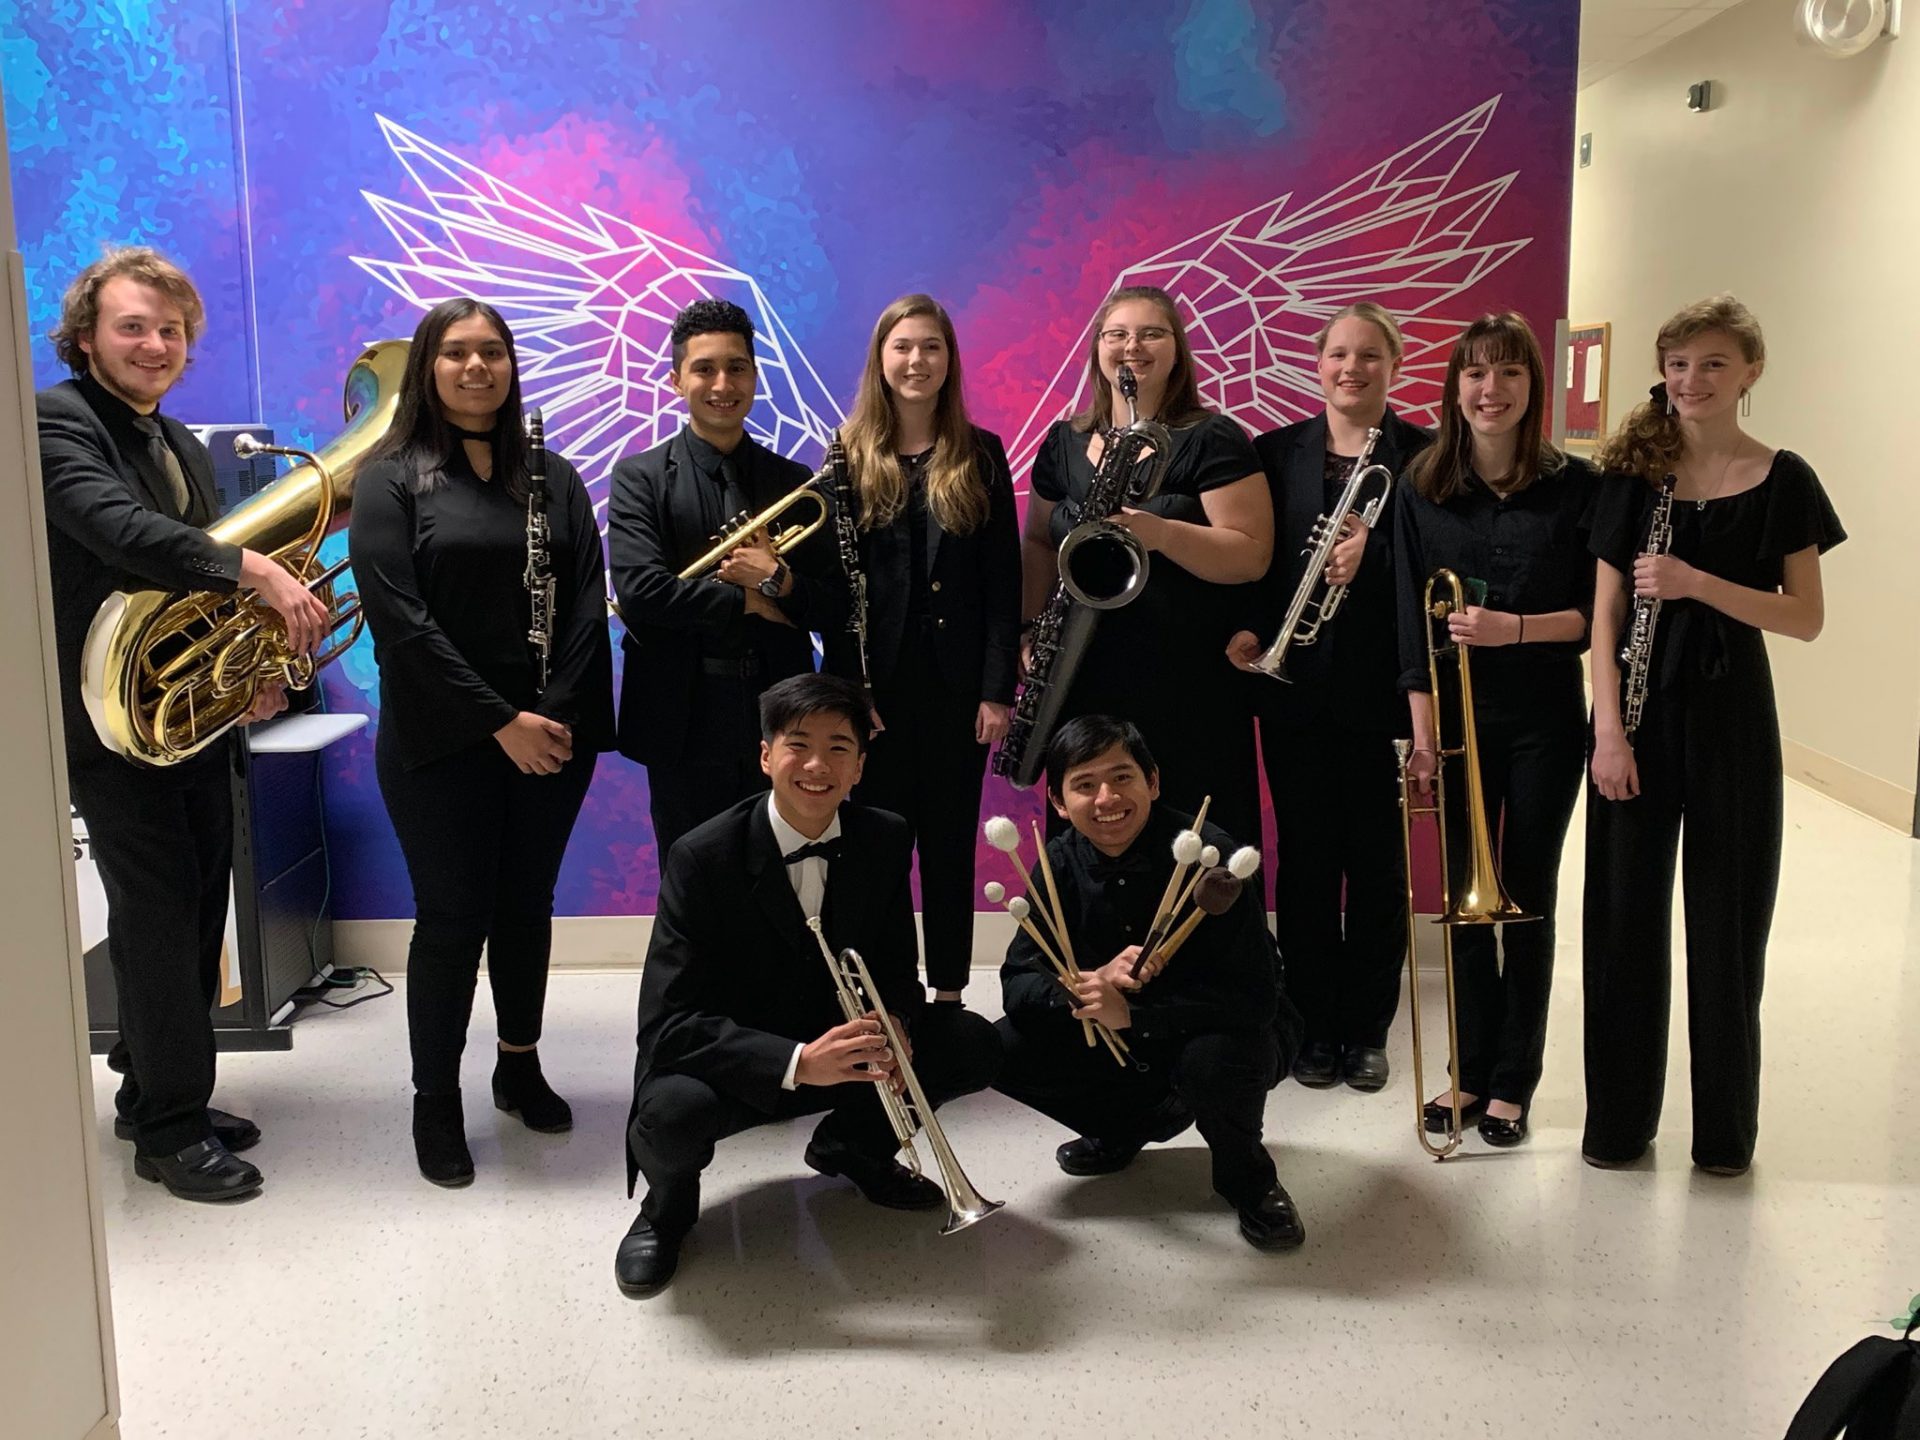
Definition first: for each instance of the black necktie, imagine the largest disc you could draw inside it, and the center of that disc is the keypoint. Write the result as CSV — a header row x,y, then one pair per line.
x,y
163,456
828,850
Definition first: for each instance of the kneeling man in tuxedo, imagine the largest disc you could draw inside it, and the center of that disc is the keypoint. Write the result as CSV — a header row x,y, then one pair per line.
x,y
739,1022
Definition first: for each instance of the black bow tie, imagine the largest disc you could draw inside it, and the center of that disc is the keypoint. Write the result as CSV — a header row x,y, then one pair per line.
x,y
828,850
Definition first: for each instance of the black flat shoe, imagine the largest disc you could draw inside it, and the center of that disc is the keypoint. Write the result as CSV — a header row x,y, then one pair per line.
x,y
646,1259
1318,1065
1600,1163
440,1140
520,1089
1438,1118
1365,1068
1724,1171
884,1182
203,1171
232,1131
1503,1134
1272,1222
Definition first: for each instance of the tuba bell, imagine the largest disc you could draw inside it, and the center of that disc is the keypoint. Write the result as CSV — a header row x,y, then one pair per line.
x,y
165,674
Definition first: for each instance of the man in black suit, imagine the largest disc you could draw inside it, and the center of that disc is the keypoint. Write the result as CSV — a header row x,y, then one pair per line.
x,y
128,491
699,652
739,1024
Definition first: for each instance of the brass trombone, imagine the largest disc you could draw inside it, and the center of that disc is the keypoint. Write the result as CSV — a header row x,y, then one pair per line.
x,y
742,529
1481,899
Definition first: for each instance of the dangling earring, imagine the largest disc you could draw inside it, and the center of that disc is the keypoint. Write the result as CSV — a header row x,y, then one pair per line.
x,y
1669,404
1746,402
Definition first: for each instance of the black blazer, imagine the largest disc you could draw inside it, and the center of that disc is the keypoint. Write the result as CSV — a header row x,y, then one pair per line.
x,y
1360,688
654,530
112,525
974,599
733,977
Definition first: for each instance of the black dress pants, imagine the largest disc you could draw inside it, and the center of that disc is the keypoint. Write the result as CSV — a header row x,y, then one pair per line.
x,y
1532,757
163,843
678,1119
721,765
1708,752
927,768
483,845
1336,808
1222,1076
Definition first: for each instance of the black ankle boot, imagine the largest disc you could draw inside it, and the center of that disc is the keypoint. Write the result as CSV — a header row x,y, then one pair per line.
x,y
519,1088
440,1140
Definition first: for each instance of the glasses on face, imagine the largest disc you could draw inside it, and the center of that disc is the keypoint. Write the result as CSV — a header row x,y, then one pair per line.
x,y
1146,335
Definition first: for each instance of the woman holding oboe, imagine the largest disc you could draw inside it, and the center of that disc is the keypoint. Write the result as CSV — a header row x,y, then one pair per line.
x,y
940,548
1742,527
487,739
1492,500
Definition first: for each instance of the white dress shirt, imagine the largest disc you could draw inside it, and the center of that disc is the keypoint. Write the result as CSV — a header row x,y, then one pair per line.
x,y
809,881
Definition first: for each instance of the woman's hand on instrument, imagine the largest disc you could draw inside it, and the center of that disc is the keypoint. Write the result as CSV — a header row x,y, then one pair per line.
x,y
749,564
1344,563
1616,774
306,618
1661,577
1148,528
874,723
270,701
537,745
1422,765
990,724
855,1050
1026,654
1244,648
1487,629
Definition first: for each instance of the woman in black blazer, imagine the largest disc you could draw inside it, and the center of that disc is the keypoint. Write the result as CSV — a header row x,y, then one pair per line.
x,y
483,770
933,498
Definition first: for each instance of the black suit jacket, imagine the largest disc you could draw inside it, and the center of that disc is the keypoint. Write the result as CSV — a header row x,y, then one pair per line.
x,y
974,599
734,978
654,530
1357,689
112,525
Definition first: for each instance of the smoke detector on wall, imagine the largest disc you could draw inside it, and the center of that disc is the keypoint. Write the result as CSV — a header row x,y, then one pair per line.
x,y
1840,29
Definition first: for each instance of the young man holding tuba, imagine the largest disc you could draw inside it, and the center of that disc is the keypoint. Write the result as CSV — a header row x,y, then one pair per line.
x,y
128,492
741,1022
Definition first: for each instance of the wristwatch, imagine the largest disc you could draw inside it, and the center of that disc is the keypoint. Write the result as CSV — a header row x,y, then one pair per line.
x,y
772,585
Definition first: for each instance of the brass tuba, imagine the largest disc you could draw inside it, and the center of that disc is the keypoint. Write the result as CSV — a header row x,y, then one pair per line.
x,y
164,674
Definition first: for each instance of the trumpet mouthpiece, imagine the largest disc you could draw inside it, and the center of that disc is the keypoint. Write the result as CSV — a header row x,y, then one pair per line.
x,y
1187,847
1003,834
1243,862
246,447
996,892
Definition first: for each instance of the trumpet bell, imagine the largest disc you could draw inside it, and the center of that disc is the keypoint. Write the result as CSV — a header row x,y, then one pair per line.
x,y
959,1217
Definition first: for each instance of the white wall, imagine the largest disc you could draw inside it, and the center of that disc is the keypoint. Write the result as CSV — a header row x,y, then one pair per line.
x,y
1800,192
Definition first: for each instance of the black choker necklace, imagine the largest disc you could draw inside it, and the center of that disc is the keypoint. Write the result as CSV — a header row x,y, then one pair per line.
x,y
482,435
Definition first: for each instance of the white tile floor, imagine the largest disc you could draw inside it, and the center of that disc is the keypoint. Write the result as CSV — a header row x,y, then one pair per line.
x,y
1516,1294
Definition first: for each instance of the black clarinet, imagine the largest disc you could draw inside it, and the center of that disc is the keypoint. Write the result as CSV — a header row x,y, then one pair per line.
x,y
847,529
541,586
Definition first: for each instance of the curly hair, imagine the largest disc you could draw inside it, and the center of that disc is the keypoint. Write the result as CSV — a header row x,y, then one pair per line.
x,y
1649,442
709,317
80,306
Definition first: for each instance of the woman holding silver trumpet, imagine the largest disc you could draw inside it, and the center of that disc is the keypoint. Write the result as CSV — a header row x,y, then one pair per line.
x,y
1494,502
1324,688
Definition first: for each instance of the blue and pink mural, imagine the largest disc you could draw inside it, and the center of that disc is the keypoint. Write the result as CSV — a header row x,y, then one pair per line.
x,y
328,168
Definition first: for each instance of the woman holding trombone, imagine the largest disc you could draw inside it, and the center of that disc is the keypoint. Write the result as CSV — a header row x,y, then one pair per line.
x,y
1492,500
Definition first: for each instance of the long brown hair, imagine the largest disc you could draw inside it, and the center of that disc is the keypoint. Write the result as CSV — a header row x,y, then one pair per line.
x,y
1440,471
1650,441
1182,403
956,491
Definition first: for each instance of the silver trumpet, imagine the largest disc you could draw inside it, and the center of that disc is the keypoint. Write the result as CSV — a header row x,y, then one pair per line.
x,y
911,1113
1312,605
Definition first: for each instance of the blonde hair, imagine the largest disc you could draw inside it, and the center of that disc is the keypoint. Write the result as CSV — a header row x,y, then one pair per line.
x,y
1649,442
80,306
1375,315
956,491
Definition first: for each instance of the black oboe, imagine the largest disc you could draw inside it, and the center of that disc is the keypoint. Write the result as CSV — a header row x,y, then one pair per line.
x,y
539,577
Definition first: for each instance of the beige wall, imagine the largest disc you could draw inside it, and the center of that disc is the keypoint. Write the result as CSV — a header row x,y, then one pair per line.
x,y
1800,192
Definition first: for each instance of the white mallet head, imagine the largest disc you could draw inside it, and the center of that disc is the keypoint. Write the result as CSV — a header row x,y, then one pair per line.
x,y
1019,908
1186,847
996,892
1003,834
1210,856
1244,862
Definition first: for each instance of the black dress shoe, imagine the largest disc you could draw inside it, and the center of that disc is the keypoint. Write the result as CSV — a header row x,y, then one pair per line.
x,y
1271,1222
203,1171
520,1089
1602,1162
1439,1118
1725,1171
1090,1155
646,1259
1365,1068
1503,1134
232,1131
884,1182
440,1140
1317,1065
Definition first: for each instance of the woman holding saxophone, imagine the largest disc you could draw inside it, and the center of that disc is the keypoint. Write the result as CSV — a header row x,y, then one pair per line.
x,y
1326,729
939,546
1492,500
482,766
1157,660
1747,525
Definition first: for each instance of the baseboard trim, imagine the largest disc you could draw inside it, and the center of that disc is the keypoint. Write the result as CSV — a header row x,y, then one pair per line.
x,y
1873,797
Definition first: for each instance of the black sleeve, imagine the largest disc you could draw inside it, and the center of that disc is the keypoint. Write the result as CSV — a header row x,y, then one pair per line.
x,y
1798,512
999,576
91,503
1030,990
422,674
646,577
1224,455
1409,583
1049,477
1615,519
582,668
1222,979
